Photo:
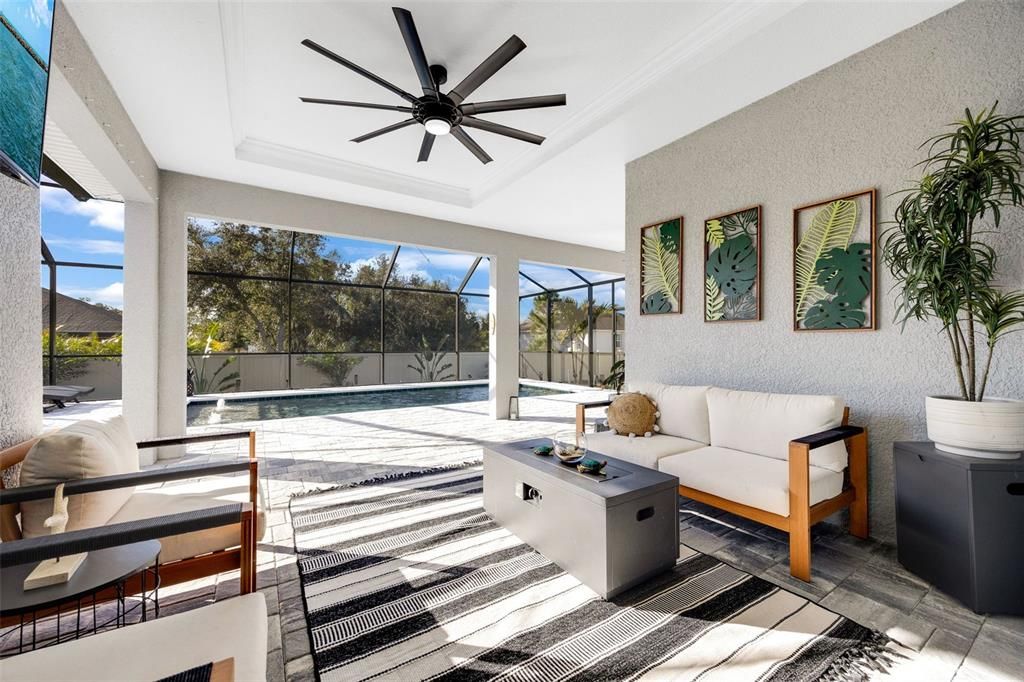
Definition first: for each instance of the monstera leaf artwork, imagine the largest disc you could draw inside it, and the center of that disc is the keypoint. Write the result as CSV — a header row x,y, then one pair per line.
x,y
732,264
833,265
661,267
834,313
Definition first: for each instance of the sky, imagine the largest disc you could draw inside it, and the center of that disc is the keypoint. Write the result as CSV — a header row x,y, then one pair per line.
x,y
84,232
32,19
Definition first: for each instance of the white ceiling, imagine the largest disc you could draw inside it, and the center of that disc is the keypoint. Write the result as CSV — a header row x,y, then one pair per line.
x,y
213,89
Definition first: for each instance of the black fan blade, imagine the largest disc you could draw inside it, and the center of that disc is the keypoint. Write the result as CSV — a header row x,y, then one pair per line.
x,y
468,142
425,147
415,47
388,129
492,127
358,69
516,103
488,67
363,105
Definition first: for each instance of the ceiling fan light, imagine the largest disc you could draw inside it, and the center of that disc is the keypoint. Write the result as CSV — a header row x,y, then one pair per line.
x,y
437,126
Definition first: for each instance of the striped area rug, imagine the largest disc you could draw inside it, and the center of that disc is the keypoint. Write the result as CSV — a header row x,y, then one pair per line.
x,y
409,579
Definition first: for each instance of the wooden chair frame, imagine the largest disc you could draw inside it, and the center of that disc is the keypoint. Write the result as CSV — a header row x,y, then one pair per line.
x,y
242,557
802,514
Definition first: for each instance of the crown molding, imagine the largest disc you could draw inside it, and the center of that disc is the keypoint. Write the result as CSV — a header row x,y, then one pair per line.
x,y
729,20
288,158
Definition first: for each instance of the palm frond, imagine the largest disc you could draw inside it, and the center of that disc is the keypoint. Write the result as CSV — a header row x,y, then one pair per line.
x,y
660,268
830,228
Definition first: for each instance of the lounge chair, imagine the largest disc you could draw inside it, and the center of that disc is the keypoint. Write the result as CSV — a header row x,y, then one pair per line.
x,y
60,395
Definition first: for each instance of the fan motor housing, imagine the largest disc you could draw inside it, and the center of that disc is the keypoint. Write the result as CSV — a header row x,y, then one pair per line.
x,y
443,108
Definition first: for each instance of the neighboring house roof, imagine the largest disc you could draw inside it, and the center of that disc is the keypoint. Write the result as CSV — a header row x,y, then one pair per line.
x,y
81,317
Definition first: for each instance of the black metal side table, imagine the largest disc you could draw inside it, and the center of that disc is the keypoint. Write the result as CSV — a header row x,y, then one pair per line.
x,y
102,569
960,524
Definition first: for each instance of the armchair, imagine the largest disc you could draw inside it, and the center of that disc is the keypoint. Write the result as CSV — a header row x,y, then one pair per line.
x,y
206,527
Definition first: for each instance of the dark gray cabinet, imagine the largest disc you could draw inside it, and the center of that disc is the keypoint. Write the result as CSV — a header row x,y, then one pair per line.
x,y
960,525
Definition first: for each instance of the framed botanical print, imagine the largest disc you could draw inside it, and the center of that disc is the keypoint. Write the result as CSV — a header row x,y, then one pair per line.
x,y
732,266
661,267
834,264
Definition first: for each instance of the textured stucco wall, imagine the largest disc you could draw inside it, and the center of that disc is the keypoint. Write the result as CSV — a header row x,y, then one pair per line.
x,y
854,125
21,360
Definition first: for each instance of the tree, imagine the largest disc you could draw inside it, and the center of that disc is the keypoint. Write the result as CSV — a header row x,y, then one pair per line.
x,y
570,324
336,309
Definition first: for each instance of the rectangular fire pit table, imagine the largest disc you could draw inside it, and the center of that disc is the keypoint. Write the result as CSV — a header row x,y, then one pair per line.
x,y
610,533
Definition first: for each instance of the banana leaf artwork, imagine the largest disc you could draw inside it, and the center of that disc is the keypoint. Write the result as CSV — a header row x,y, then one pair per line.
x,y
661,267
834,264
732,266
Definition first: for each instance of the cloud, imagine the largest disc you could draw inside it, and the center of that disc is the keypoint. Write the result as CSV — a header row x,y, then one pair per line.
x,y
112,294
105,247
106,214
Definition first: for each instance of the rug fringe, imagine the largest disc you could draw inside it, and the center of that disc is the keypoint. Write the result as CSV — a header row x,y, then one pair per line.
x,y
860,662
405,475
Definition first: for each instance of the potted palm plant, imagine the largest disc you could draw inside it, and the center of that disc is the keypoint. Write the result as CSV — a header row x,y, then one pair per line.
x,y
944,269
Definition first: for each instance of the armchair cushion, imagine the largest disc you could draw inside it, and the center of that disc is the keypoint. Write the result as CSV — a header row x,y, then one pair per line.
x,y
182,496
765,423
753,480
85,449
643,451
684,409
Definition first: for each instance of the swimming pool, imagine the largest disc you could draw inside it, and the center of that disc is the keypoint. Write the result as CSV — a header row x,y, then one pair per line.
x,y
201,412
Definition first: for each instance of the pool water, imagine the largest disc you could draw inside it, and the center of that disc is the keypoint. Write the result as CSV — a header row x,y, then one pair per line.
x,y
202,412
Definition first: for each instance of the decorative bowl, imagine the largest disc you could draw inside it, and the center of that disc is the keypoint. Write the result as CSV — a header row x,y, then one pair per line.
x,y
569,444
571,461
590,466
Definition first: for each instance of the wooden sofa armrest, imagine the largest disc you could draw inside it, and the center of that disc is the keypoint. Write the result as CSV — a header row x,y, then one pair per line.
x,y
822,438
44,491
581,412
117,534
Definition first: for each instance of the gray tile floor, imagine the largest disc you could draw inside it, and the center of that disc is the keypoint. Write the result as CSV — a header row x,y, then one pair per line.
x,y
859,579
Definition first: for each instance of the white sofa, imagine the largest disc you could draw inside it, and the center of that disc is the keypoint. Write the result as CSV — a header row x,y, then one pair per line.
x,y
784,460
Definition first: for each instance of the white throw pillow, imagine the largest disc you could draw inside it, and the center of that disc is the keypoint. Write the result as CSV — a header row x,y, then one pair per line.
x,y
85,449
764,423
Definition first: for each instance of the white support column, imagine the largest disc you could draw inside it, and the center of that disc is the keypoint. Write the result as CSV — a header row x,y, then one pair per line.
x,y
173,324
503,376
141,351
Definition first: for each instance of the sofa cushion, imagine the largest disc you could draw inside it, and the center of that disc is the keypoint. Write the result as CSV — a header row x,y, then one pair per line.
x,y
684,409
85,449
182,496
232,628
643,451
764,423
753,480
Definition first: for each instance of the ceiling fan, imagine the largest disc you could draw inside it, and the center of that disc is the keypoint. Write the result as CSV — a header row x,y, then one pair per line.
x,y
437,112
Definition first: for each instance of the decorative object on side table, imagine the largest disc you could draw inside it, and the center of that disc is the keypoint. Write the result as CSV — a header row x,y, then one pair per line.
x,y
945,269
959,522
59,570
732,266
633,414
661,267
834,264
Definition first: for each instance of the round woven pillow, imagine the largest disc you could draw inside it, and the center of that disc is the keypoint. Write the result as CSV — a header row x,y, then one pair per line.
x,y
632,414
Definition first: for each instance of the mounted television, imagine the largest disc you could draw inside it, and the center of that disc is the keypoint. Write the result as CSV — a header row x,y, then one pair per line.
x,y
26,30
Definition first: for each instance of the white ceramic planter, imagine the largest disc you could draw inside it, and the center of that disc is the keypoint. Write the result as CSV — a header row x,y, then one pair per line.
x,y
992,429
